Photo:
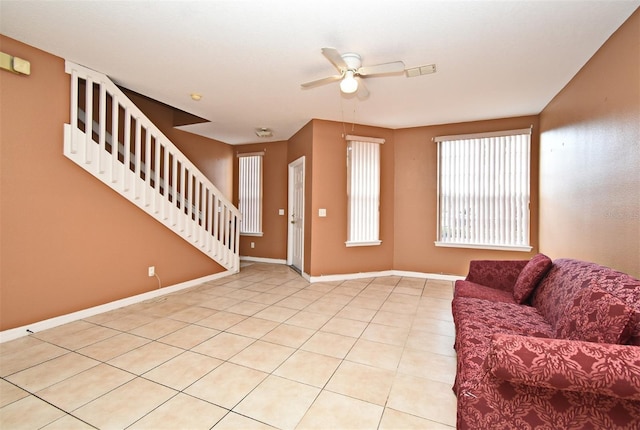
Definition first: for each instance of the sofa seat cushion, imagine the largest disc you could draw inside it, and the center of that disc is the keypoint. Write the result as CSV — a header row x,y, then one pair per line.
x,y
530,277
494,316
477,291
595,316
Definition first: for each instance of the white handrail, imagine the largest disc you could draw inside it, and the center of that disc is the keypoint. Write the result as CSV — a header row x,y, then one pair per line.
x,y
114,141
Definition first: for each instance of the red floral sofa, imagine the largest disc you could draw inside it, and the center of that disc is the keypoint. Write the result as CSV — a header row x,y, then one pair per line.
x,y
547,345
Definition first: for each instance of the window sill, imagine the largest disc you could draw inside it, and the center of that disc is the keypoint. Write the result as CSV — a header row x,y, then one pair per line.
x,y
518,248
369,243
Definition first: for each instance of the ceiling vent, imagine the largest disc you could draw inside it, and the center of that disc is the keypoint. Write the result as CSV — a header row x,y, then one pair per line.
x,y
422,70
264,132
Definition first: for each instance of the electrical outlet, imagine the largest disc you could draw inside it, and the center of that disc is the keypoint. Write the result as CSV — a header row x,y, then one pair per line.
x,y
152,270
253,244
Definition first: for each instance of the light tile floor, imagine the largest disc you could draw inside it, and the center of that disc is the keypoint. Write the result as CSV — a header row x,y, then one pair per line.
x,y
261,349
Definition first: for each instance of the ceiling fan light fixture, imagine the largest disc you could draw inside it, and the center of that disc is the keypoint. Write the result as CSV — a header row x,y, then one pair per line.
x,y
349,85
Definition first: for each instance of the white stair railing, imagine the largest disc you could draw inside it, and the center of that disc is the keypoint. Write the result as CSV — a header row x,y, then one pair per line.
x,y
127,152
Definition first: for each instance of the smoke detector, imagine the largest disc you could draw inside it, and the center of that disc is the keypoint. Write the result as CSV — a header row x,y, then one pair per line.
x,y
264,132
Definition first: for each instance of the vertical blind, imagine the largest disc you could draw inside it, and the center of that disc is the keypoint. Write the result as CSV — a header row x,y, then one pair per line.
x,y
483,190
250,192
363,191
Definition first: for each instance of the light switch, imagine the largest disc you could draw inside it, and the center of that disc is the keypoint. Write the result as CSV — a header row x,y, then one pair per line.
x,y
322,212
280,211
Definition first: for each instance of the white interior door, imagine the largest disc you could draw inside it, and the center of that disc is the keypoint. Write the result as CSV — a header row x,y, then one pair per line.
x,y
295,247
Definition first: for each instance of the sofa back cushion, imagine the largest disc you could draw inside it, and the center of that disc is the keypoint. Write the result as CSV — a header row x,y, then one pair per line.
x,y
595,316
530,277
567,276
627,289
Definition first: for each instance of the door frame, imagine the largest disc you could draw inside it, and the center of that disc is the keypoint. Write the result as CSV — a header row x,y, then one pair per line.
x,y
300,162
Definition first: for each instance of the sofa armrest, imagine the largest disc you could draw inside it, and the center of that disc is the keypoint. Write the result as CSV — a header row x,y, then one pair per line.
x,y
606,369
499,274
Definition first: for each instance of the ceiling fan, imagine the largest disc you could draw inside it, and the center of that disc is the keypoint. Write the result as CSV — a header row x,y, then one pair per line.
x,y
349,66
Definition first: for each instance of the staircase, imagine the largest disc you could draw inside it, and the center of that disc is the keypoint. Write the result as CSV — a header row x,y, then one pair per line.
x,y
113,140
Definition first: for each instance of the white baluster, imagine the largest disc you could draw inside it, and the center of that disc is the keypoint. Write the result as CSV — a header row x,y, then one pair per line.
x,y
209,220
115,141
156,176
88,121
174,191
147,169
102,127
74,111
165,185
180,198
137,160
216,221
126,149
202,216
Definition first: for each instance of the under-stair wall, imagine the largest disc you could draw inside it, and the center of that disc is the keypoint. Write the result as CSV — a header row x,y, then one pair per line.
x,y
109,137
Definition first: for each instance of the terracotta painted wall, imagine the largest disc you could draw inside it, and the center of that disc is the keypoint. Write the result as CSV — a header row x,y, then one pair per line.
x,y
273,243
416,198
590,159
68,242
329,254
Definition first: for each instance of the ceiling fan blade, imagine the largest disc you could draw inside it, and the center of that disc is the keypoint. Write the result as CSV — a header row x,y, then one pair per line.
x,y
363,92
336,59
381,69
322,81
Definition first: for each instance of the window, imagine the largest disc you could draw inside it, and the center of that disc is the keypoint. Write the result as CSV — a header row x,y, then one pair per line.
x,y
483,190
363,191
250,193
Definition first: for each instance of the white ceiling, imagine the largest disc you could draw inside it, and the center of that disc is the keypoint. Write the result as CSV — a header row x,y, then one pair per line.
x,y
248,57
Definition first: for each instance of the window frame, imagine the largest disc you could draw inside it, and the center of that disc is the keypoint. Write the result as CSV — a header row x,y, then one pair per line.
x,y
256,188
520,222
367,235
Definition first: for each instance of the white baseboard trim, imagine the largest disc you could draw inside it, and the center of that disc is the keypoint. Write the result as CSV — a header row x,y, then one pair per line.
x,y
434,276
305,276
362,275
350,276
25,330
263,260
